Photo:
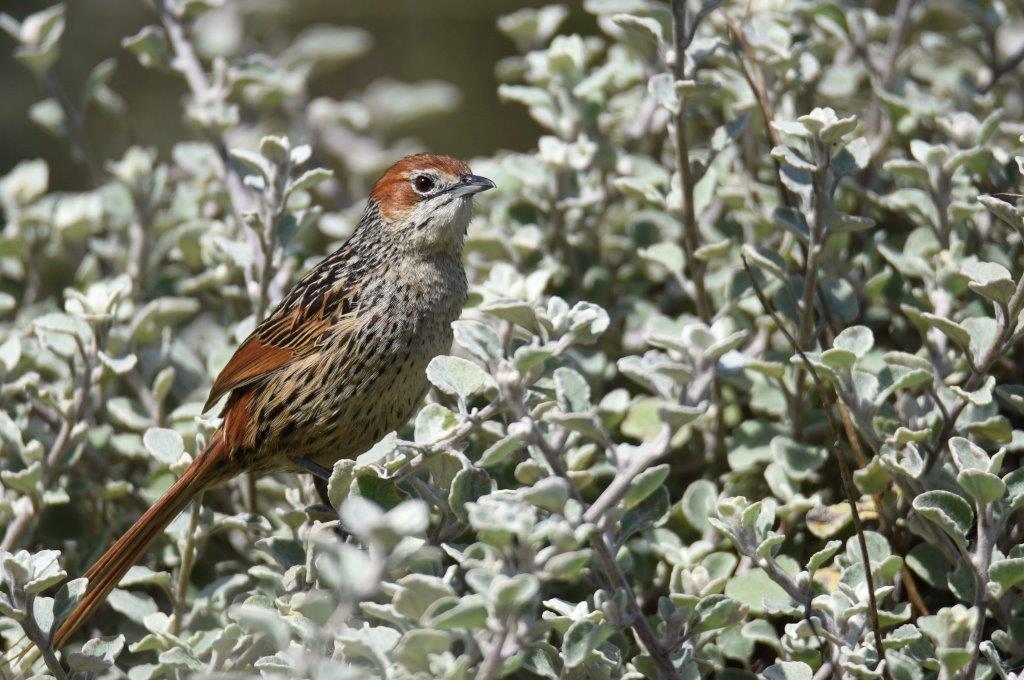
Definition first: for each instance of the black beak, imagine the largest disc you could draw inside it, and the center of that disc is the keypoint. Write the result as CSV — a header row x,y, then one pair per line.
x,y
471,184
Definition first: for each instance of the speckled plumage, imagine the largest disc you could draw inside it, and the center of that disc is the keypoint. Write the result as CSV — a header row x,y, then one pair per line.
x,y
341,361
380,320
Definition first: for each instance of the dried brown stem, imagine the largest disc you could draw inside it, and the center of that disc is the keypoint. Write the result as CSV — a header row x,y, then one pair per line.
x,y
844,468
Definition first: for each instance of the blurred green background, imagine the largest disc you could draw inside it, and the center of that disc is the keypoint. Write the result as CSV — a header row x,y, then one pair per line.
x,y
450,40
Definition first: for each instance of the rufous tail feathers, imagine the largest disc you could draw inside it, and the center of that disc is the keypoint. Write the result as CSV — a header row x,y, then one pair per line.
x,y
207,469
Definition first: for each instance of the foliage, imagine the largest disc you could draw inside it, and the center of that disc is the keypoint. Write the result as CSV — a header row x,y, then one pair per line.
x,y
757,247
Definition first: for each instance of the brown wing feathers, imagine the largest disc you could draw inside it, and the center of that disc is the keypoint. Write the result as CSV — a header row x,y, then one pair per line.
x,y
285,336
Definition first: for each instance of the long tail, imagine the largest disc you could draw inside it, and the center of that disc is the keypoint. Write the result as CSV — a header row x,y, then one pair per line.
x,y
207,469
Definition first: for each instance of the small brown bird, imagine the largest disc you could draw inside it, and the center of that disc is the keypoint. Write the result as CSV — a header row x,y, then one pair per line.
x,y
341,360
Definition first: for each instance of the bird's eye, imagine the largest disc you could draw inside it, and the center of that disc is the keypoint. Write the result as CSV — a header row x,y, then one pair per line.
x,y
423,184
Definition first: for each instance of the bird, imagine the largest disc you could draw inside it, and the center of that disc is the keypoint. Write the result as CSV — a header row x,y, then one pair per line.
x,y
340,362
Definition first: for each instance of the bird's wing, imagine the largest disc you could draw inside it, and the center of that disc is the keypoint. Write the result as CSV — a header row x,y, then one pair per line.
x,y
293,331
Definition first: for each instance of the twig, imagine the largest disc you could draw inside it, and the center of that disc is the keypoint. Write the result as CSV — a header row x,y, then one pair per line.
x,y
81,150
691,235
844,468
1002,68
691,240
982,560
187,558
41,640
187,62
756,81
1006,326
640,624
492,663
27,512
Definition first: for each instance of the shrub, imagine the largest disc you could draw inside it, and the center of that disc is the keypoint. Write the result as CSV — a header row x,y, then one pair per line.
x,y
734,393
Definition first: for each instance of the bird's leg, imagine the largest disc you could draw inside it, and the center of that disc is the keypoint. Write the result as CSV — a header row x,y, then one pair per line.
x,y
321,476
318,471
320,484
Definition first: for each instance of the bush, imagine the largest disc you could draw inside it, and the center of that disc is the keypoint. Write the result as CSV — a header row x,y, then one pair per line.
x,y
734,393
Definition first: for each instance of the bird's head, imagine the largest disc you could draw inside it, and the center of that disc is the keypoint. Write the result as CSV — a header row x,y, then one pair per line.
x,y
425,201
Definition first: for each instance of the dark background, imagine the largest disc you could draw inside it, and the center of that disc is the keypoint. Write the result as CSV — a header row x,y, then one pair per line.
x,y
452,40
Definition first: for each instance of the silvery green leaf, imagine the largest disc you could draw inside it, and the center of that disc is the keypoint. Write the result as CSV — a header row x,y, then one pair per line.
x,y
10,352
379,452
518,312
819,558
468,611
677,415
40,35
788,218
976,159
275,149
253,163
456,376
1007,572
947,510
42,613
646,26
644,484
698,503
27,181
790,128
874,478
499,452
532,27
989,279
310,179
324,46
119,365
587,322
46,571
149,46
931,155
641,189
530,357
967,455
539,102
664,90
767,259
979,397
838,359
909,380
1004,211
178,657
839,222
164,445
788,670
468,485
907,168
579,641
27,481
793,158
799,460
139,575
48,115
134,605
713,251
1011,394
907,360
981,486
549,493
724,345
571,390
67,597
567,566
479,339
951,329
